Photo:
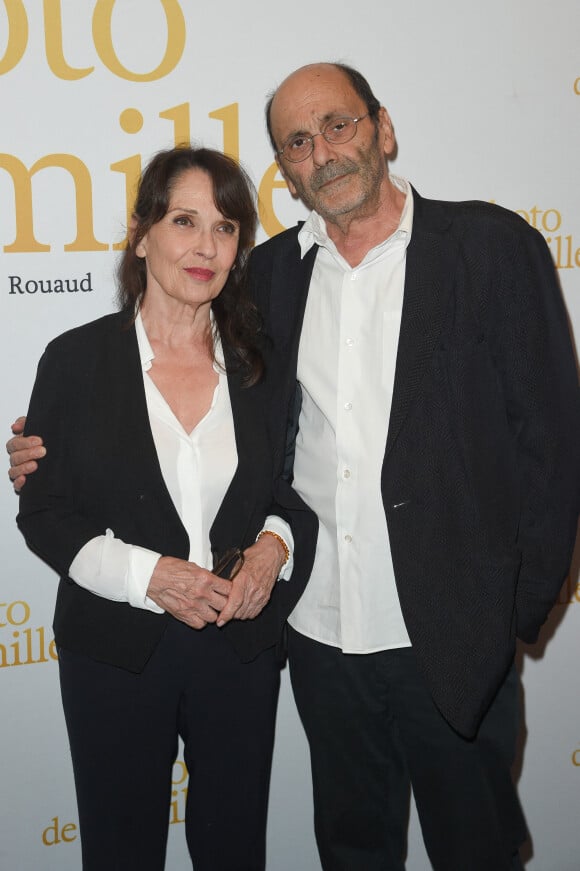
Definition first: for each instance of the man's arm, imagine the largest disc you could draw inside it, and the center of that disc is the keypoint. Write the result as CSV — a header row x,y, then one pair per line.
x,y
540,382
23,451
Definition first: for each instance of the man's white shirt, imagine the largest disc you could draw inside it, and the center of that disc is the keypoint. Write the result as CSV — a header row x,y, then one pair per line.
x,y
346,368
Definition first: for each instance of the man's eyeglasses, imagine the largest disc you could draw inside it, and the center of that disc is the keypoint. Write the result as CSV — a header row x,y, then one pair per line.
x,y
338,131
230,563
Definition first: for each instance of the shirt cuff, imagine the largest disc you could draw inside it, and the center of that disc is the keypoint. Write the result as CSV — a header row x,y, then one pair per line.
x,y
275,524
115,570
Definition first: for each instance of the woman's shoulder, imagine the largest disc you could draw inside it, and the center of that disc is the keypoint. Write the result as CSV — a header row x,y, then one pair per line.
x,y
85,336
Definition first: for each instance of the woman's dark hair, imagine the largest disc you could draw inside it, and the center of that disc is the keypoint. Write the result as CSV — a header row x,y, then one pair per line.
x,y
359,85
236,318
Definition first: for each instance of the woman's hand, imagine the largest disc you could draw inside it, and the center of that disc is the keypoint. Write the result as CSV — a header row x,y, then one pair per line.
x,y
252,586
188,592
23,452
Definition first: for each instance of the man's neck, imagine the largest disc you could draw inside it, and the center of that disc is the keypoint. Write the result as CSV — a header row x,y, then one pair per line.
x,y
355,234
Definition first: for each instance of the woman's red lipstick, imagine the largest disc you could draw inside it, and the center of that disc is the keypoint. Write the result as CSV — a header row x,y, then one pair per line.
x,y
199,273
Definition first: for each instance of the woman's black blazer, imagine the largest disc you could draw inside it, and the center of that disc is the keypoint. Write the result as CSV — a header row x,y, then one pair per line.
x,y
101,471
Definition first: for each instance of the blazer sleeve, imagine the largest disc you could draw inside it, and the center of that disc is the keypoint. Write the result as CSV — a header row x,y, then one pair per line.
x,y
49,517
540,383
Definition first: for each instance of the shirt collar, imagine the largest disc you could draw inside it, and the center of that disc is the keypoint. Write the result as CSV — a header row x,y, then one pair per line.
x,y
146,354
313,231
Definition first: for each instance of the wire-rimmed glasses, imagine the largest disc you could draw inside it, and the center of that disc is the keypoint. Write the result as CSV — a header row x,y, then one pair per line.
x,y
337,131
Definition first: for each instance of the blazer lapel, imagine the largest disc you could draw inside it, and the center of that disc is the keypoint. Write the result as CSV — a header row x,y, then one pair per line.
x,y
428,280
247,415
289,290
132,427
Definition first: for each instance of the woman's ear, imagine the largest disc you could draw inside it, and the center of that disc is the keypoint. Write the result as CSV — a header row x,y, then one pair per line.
x,y
140,249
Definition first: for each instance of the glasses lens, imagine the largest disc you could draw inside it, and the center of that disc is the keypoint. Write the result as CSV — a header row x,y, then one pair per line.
x,y
298,149
337,131
237,565
340,130
230,563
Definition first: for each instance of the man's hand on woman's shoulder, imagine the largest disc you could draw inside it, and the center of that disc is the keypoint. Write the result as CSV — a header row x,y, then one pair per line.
x,y
23,451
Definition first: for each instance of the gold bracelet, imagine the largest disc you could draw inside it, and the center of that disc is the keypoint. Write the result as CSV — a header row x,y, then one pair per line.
x,y
278,538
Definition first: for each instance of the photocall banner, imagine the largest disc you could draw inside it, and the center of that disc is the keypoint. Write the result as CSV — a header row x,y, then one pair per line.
x,y
485,100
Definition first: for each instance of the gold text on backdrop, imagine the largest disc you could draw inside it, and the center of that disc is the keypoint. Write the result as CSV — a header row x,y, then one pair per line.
x,y
102,32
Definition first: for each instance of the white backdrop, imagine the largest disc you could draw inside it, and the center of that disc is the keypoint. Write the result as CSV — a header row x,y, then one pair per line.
x,y
485,99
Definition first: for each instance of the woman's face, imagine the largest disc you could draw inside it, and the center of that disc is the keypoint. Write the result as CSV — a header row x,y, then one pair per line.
x,y
190,251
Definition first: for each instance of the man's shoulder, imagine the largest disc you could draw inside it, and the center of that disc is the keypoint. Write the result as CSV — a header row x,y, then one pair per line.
x,y
484,234
468,217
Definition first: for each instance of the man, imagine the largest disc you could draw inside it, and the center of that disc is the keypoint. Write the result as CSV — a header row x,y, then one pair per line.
x,y
431,389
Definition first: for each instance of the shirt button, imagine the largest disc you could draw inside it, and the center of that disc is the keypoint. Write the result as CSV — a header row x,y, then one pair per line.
x,y
346,473
348,538
349,342
348,406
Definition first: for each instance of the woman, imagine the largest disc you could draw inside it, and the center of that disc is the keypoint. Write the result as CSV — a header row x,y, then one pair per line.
x,y
155,460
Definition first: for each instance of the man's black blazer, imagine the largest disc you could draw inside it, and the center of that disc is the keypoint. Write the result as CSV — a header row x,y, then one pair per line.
x,y
480,479
101,471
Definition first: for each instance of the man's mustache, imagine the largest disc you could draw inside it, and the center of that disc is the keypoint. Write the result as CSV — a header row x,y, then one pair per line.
x,y
330,171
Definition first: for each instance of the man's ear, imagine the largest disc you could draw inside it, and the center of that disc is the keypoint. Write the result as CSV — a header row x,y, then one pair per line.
x,y
386,132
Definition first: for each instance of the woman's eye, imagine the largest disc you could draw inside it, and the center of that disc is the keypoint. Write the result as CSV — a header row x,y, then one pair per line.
x,y
183,220
227,228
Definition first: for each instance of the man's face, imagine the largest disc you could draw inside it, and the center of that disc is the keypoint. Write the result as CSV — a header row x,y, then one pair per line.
x,y
336,180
